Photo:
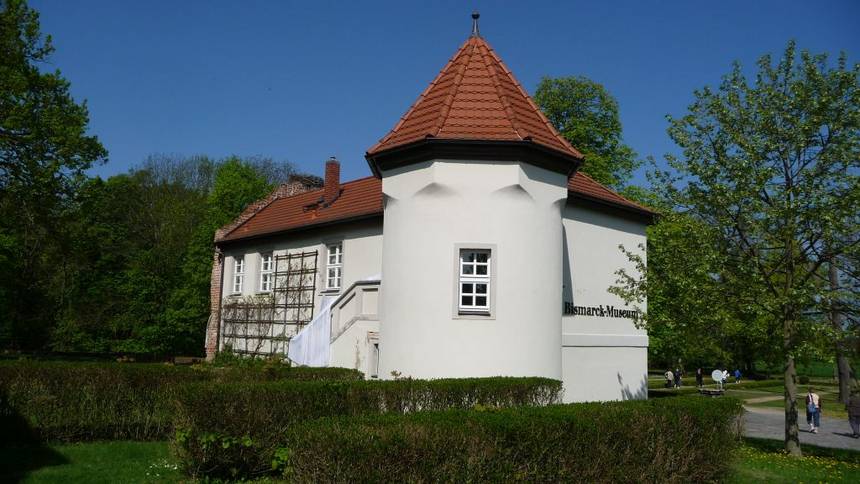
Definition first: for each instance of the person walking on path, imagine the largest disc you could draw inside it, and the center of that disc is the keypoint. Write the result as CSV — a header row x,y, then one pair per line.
x,y
853,407
737,375
670,378
700,377
813,410
678,375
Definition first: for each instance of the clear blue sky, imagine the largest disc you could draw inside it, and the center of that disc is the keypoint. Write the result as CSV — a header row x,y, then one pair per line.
x,y
303,81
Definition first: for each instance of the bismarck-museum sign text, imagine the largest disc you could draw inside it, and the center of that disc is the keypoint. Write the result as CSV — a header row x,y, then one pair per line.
x,y
604,311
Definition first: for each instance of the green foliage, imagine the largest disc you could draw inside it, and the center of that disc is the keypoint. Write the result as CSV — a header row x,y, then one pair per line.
x,y
237,183
139,278
44,153
772,168
586,114
120,265
212,420
688,318
88,401
656,441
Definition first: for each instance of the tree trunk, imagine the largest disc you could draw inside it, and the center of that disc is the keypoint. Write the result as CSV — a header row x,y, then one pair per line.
x,y
843,365
792,436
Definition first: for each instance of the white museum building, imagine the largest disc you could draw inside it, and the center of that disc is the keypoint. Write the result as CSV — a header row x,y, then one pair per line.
x,y
476,248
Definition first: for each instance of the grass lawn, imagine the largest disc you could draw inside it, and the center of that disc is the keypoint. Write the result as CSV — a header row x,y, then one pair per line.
x,y
91,462
831,407
760,460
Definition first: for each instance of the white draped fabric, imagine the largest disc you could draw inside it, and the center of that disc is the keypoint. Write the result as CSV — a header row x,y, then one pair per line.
x,y
311,347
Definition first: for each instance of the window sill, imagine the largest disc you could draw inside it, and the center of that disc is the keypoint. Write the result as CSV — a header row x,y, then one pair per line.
x,y
486,315
328,292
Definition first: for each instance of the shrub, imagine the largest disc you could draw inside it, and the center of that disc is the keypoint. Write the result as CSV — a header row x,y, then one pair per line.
x,y
87,401
230,430
686,439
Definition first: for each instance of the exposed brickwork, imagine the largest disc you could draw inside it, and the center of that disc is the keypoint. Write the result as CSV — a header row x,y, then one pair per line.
x,y
288,189
331,188
213,327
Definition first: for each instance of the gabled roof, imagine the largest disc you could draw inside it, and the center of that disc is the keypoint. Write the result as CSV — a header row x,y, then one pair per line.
x,y
362,198
358,198
475,97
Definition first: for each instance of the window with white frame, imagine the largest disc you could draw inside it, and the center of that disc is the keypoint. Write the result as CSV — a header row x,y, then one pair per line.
x,y
238,274
334,266
266,269
474,282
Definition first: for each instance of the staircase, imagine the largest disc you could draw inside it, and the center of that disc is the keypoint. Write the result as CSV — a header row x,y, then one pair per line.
x,y
355,328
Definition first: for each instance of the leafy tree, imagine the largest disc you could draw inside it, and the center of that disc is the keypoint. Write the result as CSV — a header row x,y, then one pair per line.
x,y
139,280
687,317
586,114
771,166
44,152
236,185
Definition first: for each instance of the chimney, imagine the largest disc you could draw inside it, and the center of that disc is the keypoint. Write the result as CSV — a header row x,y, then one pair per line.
x,y
331,188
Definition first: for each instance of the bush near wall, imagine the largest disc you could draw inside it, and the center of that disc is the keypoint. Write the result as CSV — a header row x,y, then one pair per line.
x,y
686,439
233,430
59,401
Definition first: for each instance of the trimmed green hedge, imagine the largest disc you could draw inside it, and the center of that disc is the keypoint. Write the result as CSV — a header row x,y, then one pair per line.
x,y
638,441
230,430
645,441
60,401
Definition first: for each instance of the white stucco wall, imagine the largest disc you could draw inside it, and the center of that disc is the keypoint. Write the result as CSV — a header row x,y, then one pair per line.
x,y
354,347
362,256
432,209
603,358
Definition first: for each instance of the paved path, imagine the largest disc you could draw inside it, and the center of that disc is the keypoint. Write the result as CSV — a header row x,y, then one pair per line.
x,y
771,398
769,423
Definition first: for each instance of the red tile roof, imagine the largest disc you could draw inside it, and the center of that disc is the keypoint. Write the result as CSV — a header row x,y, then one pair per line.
x,y
583,186
475,97
363,198
358,198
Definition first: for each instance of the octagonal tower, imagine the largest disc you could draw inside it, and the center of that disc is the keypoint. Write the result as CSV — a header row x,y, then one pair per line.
x,y
474,179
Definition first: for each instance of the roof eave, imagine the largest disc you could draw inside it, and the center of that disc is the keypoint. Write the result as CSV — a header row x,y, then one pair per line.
x,y
641,214
355,218
430,148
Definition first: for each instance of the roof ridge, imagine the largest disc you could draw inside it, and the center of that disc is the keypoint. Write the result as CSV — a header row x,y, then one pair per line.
x,y
531,102
474,97
420,98
454,89
497,84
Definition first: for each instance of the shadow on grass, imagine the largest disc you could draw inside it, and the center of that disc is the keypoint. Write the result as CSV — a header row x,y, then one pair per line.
x,y
18,461
21,452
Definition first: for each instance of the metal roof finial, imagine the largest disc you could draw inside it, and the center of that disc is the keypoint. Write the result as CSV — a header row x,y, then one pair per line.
x,y
475,31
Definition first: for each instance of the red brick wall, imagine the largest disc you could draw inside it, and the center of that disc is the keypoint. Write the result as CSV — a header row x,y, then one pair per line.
x,y
213,326
331,189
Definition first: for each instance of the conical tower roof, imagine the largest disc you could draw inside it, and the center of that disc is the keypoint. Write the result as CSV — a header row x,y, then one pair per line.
x,y
475,100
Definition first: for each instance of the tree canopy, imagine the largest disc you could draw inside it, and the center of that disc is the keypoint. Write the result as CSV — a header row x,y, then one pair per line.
x,y
586,114
44,153
771,169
